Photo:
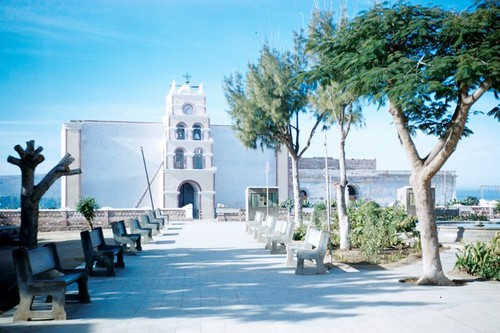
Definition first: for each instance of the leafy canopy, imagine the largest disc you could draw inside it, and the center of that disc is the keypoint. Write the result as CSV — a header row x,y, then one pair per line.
x,y
424,60
266,102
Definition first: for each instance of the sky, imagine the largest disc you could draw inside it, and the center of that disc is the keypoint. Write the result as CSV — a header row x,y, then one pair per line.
x,y
115,60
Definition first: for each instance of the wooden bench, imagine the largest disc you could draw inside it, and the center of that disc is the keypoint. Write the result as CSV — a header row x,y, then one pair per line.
x,y
223,212
131,242
313,248
98,253
39,273
136,228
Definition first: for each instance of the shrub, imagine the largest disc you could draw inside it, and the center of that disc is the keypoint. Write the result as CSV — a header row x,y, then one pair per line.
x,y
481,259
300,232
87,206
319,215
374,228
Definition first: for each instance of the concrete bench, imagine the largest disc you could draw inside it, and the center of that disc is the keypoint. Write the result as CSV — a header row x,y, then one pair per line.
x,y
257,221
159,216
223,212
39,273
145,222
313,248
268,227
277,242
97,253
136,228
131,242
153,219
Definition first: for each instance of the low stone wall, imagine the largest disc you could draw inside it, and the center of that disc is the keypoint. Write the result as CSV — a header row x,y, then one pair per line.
x,y
67,220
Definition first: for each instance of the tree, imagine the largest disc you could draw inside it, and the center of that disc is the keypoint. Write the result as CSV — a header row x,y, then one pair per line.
x,y
87,206
31,194
429,66
266,105
339,107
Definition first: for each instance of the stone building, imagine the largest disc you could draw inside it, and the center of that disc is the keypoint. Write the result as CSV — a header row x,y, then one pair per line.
x,y
366,182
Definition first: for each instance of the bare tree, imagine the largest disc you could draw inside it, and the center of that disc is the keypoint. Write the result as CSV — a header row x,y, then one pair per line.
x,y
31,194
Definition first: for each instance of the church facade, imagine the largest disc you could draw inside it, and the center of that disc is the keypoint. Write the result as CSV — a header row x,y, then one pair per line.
x,y
184,160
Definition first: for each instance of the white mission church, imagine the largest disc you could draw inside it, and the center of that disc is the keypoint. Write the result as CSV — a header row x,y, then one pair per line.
x,y
187,160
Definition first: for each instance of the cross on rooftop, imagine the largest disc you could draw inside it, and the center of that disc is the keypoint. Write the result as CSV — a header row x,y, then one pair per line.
x,y
187,76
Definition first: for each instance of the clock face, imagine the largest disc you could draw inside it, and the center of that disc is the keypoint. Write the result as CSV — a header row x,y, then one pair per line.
x,y
188,108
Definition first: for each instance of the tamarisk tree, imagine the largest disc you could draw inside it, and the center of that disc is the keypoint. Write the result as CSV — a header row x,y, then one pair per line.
x,y
267,103
429,66
31,194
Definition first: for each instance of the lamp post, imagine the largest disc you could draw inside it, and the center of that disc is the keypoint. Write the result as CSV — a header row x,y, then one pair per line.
x,y
267,189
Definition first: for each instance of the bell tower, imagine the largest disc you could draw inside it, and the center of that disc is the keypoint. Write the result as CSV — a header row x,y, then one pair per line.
x,y
188,174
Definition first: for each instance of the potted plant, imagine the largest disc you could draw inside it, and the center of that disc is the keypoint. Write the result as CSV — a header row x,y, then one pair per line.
x,y
87,206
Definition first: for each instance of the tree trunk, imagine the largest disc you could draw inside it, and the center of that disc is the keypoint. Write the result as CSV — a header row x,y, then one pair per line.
x,y
344,226
424,202
31,194
422,171
296,190
29,209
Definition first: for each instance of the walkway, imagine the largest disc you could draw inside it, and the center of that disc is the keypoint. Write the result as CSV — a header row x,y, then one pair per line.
x,y
213,277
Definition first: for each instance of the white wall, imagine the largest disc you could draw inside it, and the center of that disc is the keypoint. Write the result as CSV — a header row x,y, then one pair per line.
x,y
112,166
238,168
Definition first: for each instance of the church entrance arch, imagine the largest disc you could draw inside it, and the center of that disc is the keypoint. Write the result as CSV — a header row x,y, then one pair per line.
x,y
352,192
189,193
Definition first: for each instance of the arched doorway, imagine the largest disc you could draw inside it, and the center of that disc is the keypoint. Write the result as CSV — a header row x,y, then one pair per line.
x,y
352,192
188,194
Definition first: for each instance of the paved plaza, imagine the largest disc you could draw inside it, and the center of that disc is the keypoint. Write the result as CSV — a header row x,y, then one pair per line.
x,y
212,277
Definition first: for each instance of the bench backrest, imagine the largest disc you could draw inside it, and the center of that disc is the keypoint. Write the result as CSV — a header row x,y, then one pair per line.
x,y
270,222
318,239
279,227
259,216
92,239
290,228
134,223
119,228
28,263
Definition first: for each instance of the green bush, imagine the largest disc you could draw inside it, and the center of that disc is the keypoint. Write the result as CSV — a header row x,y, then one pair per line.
x,y
300,232
87,206
374,228
481,259
319,216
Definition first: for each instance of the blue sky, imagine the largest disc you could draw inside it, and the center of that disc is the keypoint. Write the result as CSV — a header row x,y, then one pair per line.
x,y
115,60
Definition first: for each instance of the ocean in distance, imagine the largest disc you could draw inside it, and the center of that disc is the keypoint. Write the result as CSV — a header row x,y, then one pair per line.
x,y
481,192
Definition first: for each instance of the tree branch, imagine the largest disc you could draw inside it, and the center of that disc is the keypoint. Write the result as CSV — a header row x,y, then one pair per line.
x,y
61,169
311,134
405,137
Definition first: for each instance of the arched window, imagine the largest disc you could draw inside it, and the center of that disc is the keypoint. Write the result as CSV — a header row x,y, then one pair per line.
x,y
197,132
198,162
180,132
179,160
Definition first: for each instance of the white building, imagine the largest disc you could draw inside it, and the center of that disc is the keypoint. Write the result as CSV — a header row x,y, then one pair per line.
x,y
191,162
188,161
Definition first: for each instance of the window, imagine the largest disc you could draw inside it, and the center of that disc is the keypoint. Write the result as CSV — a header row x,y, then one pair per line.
x,y
197,132
179,160
198,162
181,132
